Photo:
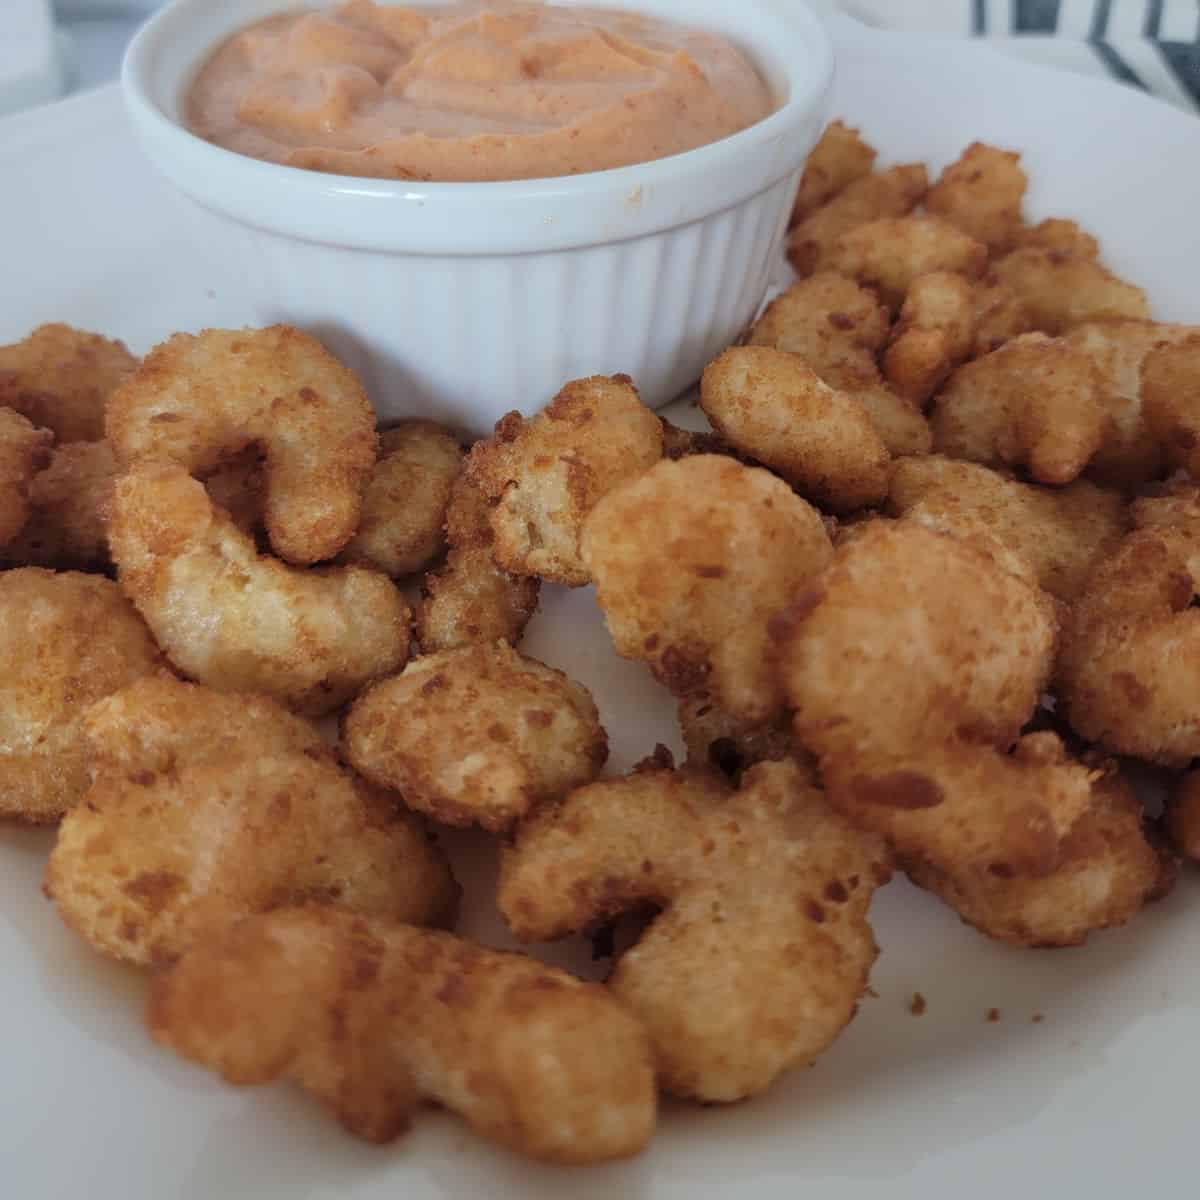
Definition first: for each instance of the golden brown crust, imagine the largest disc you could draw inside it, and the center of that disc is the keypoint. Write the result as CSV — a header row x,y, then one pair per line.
x,y
196,400
60,378
24,451
372,1017
981,192
1035,403
206,807
1183,816
735,984
1171,400
691,561
1000,316
890,193
240,621
717,741
1055,233
402,528
478,735
770,405
836,161
65,641
934,334
544,475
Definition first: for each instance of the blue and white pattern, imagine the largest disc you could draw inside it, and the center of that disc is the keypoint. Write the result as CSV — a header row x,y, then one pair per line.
x,y
1150,44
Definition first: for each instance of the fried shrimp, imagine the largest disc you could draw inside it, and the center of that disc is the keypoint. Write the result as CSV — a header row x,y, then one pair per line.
x,y
934,334
61,378
889,254
69,504
373,1017
1054,233
470,599
24,451
981,192
890,193
836,161
545,474
1171,399
735,983
838,328
478,735
65,641
1000,316
197,400
691,561
240,621
206,807
404,508
1063,290
1131,455
911,664
1063,533
770,405
1107,872
1132,648
1035,402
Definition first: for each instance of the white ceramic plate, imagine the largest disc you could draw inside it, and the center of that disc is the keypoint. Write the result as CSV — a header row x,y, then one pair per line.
x,y
1095,1100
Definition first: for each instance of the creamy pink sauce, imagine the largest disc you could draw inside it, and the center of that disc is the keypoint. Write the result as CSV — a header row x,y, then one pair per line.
x,y
472,91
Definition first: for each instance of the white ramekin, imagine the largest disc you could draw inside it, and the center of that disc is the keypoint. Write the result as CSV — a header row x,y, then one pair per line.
x,y
461,301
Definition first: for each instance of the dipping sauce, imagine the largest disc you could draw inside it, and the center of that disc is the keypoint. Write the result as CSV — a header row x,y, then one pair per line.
x,y
471,91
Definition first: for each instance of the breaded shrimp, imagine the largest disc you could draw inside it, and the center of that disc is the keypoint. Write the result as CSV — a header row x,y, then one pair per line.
x,y
240,621
24,451
65,641
1000,316
478,735
206,807
836,161
769,404
1035,402
763,947
691,560
981,192
934,334
1171,400
545,474
404,507
61,378
198,400
373,1017
1055,233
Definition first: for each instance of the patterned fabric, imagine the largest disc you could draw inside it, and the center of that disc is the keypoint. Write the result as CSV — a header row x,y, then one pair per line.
x,y
1150,44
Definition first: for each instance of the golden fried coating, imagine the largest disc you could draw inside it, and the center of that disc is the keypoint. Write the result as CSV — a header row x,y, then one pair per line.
x,y
195,401
714,739
770,405
1063,533
1131,455
1107,871
837,160
1131,653
206,807
889,254
24,451
691,561
911,664
60,378
69,508
240,621
1035,402
1063,290
545,474
838,327
373,1016
1054,233
1171,399
934,334
1000,316
1183,816
404,506
65,641
981,192
478,735
736,983
890,193
470,599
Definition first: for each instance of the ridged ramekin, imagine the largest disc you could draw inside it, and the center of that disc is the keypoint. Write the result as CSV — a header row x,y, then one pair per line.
x,y
461,301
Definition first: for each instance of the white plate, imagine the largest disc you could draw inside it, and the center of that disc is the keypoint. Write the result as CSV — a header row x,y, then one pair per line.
x,y
1095,1100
